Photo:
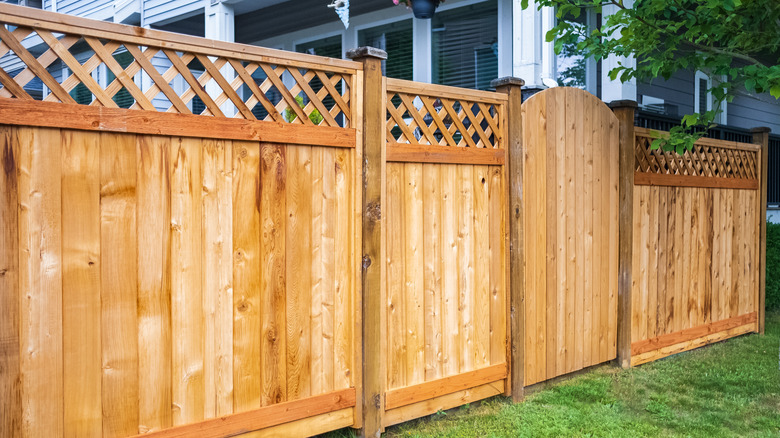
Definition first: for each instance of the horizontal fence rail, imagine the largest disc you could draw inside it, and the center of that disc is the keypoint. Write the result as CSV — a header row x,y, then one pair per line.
x,y
712,163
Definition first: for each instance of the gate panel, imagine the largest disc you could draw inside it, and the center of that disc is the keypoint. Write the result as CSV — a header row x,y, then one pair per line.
x,y
446,252
571,227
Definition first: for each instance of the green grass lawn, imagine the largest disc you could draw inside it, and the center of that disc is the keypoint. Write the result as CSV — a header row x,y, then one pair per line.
x,y
727,389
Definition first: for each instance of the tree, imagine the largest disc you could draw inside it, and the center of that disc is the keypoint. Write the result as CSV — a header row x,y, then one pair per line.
x,y
738,40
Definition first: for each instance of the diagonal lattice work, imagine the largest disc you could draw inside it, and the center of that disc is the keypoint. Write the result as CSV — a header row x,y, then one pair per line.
x,y
49,61
424,114
708,158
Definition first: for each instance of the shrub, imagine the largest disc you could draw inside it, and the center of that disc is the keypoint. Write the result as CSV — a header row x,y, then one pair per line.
x,y
772,266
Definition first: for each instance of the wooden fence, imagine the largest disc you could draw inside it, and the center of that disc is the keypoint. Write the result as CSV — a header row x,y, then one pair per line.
x,y
696,245
223,239
445,240
198,281
570,174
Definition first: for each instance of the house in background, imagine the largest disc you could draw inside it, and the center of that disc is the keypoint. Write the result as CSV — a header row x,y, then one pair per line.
x,y
467,44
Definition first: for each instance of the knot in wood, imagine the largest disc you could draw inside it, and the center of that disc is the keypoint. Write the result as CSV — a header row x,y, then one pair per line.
x,y
377,401
366,261
373,211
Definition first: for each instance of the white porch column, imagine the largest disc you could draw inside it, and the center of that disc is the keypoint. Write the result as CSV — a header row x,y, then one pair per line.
x,y
505,14
616,90
533,59
220,25
422,53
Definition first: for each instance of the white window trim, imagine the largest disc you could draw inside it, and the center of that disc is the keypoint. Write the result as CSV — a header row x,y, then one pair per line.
x,y
720,118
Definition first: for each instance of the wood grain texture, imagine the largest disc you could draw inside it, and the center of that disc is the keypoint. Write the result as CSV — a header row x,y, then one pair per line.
x,y
119,276
272,273
10,298
217,263
265,417
706,240
154,284
81,330
570,223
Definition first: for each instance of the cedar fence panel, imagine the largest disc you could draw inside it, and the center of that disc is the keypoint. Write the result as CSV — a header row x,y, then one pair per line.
x,y
446,248
570,175
696,218
169,272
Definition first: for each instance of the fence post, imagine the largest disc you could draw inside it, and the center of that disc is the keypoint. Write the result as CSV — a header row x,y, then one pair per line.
x,y
624,110
514,149
370,98
761,137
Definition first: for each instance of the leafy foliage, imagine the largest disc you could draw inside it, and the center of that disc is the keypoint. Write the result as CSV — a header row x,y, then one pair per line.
x,y
290,116
738,40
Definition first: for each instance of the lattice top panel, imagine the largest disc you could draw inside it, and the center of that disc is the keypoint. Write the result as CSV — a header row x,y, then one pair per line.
x,y
424,114
59,58
709,158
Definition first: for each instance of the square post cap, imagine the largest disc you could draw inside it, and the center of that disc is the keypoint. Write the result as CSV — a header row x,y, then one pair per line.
x,y
366,52
760,130
623,104
507,80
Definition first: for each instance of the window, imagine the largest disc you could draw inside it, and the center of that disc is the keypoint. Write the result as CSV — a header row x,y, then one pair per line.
x,y
396,40
572,69
702,97
465,46
330,47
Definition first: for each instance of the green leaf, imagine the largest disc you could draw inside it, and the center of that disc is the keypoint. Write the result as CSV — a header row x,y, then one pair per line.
x,y
775,91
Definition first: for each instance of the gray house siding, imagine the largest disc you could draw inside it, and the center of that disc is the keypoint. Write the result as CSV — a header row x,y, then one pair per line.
x,y
95,9
678,91
163,11
745,111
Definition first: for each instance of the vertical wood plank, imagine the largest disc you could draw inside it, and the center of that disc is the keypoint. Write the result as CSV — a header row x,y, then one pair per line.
x,y
432,256
247,377
578,153
672,306
587,256
396,365
218,277
571,230
328,263
636,310
40,271
414,296
481,267
717,256
497,227
663,251
465,205
693,262
600,181
298,270
154,284
653,273
685,257
272,273
552,206
705,256
10,256
119,290
318,282
644,259
187,316
81,338
450,249
343,268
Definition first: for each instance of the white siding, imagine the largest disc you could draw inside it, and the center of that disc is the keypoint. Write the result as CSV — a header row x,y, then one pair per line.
x,y
95,9
162,11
